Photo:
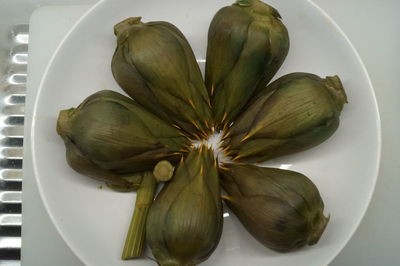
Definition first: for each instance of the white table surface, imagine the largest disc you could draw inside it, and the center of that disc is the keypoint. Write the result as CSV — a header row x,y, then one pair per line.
x,y
371,25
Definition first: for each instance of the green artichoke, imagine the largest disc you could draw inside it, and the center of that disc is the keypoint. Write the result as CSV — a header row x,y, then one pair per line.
x,y
184,224
109,135
282,209
247,44
302,111
155,65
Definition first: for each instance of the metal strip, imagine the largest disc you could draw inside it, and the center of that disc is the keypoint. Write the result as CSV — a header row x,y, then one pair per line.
x,y
12,109
10,220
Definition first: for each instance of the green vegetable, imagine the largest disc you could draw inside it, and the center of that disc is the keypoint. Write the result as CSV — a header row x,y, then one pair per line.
x,y
247,44
109,135
302,112
185,221
155,65
282,209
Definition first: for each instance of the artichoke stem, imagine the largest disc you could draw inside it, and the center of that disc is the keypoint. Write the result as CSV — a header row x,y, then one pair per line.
x,y
163,171
136,233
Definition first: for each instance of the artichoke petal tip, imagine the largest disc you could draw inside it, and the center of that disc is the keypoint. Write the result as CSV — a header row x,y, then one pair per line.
x,y
335,86
319,228
124,25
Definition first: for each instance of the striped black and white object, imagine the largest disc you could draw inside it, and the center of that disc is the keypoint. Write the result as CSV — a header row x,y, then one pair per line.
x,y
12,109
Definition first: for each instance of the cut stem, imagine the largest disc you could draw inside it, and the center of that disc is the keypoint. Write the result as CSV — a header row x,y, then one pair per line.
x,y
163,171
137,229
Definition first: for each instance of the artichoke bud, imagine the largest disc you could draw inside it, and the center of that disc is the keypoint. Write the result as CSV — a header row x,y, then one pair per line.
x,y
247,44
110,135
282,209
296,112
185,221
155,65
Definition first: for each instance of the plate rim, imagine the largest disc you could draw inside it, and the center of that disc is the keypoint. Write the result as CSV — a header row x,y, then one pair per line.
x,y
312,3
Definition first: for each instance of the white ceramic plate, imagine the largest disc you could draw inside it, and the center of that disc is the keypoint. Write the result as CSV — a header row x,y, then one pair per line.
x,y
93,222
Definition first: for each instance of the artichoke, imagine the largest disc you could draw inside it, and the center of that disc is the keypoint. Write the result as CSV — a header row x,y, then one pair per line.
x,y
282,209
247,44
109,135
301,112
184,224
154,64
